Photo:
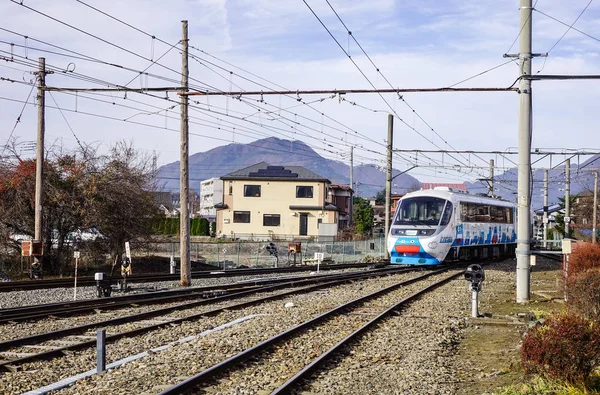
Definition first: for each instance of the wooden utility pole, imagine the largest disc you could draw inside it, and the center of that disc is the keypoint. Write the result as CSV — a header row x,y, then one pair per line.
x,y
351,206
184,237
491,186
388,179
567,216
545,219
595,211
39,163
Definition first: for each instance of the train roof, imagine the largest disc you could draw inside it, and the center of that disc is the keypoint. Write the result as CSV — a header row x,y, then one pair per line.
x,y
451,194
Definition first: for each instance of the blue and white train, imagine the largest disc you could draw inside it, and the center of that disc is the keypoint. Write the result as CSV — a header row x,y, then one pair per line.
x,y
442,224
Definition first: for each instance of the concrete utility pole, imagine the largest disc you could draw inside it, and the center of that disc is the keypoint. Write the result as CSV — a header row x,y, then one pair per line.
x,y
184,182
545,219
595,214
491,186
524,158
388,179
351,207
567,196
39,163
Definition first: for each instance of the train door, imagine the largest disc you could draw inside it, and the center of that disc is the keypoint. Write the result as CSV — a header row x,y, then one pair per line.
x,y
303,224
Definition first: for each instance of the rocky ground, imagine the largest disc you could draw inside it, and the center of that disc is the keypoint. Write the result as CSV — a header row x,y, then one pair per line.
x,y
54,295
432,346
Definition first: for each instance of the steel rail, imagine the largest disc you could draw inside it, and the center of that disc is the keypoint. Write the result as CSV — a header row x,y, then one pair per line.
x,y
191,383
321,283
24,313
10,286
337,349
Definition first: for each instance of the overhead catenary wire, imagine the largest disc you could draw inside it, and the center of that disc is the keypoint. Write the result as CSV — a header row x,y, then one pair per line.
x,y
385,78
570,26
18,120
368,80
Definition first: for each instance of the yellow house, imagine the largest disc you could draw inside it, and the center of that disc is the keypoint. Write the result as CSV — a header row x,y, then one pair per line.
x,y
276,202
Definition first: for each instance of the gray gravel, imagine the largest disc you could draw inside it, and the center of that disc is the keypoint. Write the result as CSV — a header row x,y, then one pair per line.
x,y
173,365
55,295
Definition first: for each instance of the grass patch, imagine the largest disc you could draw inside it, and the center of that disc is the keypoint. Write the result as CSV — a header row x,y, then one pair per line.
x,y
542,386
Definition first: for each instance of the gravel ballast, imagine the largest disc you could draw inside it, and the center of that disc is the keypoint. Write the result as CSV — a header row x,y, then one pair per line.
x,y
214,346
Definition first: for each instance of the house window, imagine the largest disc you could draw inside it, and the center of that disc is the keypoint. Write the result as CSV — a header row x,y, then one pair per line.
x,y
241,217
230,188
304,192
252,190
271,219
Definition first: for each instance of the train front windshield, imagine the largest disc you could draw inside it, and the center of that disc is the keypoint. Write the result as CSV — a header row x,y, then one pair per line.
x,y
423,210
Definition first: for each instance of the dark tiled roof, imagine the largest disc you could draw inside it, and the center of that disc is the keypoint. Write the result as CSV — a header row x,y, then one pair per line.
x,y
264,171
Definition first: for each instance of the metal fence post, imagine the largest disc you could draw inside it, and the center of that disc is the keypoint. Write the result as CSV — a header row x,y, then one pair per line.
x,y
218,258
343,250
238,253
100,351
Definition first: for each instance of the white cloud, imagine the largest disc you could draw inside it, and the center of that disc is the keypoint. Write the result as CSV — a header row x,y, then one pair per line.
x,y
423,43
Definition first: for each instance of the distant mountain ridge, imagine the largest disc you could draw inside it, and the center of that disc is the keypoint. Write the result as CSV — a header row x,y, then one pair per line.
x,y
368,179
226,159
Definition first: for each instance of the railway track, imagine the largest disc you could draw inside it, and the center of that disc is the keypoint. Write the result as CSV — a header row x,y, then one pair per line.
x,y
16,352
63,309
260,358
84,281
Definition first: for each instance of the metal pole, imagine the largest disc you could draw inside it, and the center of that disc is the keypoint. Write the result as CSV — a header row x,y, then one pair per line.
x,y
388,179
39,163
351,208
567,197
595,214
100,351
545,219
475,304
491,187
75,282
524,158
184,237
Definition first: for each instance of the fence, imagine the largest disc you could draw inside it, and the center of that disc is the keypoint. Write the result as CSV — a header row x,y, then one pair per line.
x,y
254,254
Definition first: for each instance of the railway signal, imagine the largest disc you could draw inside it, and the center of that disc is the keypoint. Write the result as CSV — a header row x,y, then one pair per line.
x,y
475,275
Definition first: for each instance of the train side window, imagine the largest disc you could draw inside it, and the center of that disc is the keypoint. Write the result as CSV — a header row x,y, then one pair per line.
x,y
508,215
464,211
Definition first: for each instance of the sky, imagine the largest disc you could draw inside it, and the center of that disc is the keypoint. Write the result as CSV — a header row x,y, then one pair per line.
x,y
269,44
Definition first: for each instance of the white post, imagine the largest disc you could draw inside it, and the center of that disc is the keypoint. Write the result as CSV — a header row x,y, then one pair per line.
x,y
75,288
475,304
524,167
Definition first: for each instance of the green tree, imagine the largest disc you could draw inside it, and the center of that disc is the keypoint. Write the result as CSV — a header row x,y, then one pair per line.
x,y
204,227
363,216
380,197
82,189
559,226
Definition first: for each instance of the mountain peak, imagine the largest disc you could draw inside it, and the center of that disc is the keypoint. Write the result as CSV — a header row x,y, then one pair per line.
x,y
275,151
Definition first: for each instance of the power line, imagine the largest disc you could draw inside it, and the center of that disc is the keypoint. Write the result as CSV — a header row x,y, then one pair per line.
x,y
18,118
384,77
368,80
66,121
571,26
567,25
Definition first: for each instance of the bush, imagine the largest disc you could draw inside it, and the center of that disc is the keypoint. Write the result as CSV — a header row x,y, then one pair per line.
x,y
583,294
585,256
565,347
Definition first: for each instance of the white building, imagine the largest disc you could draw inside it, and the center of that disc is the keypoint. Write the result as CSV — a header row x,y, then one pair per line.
x,y
211,193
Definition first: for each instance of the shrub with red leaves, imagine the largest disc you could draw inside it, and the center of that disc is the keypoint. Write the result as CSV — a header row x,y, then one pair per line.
x,y
583,294
565,347
585,256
